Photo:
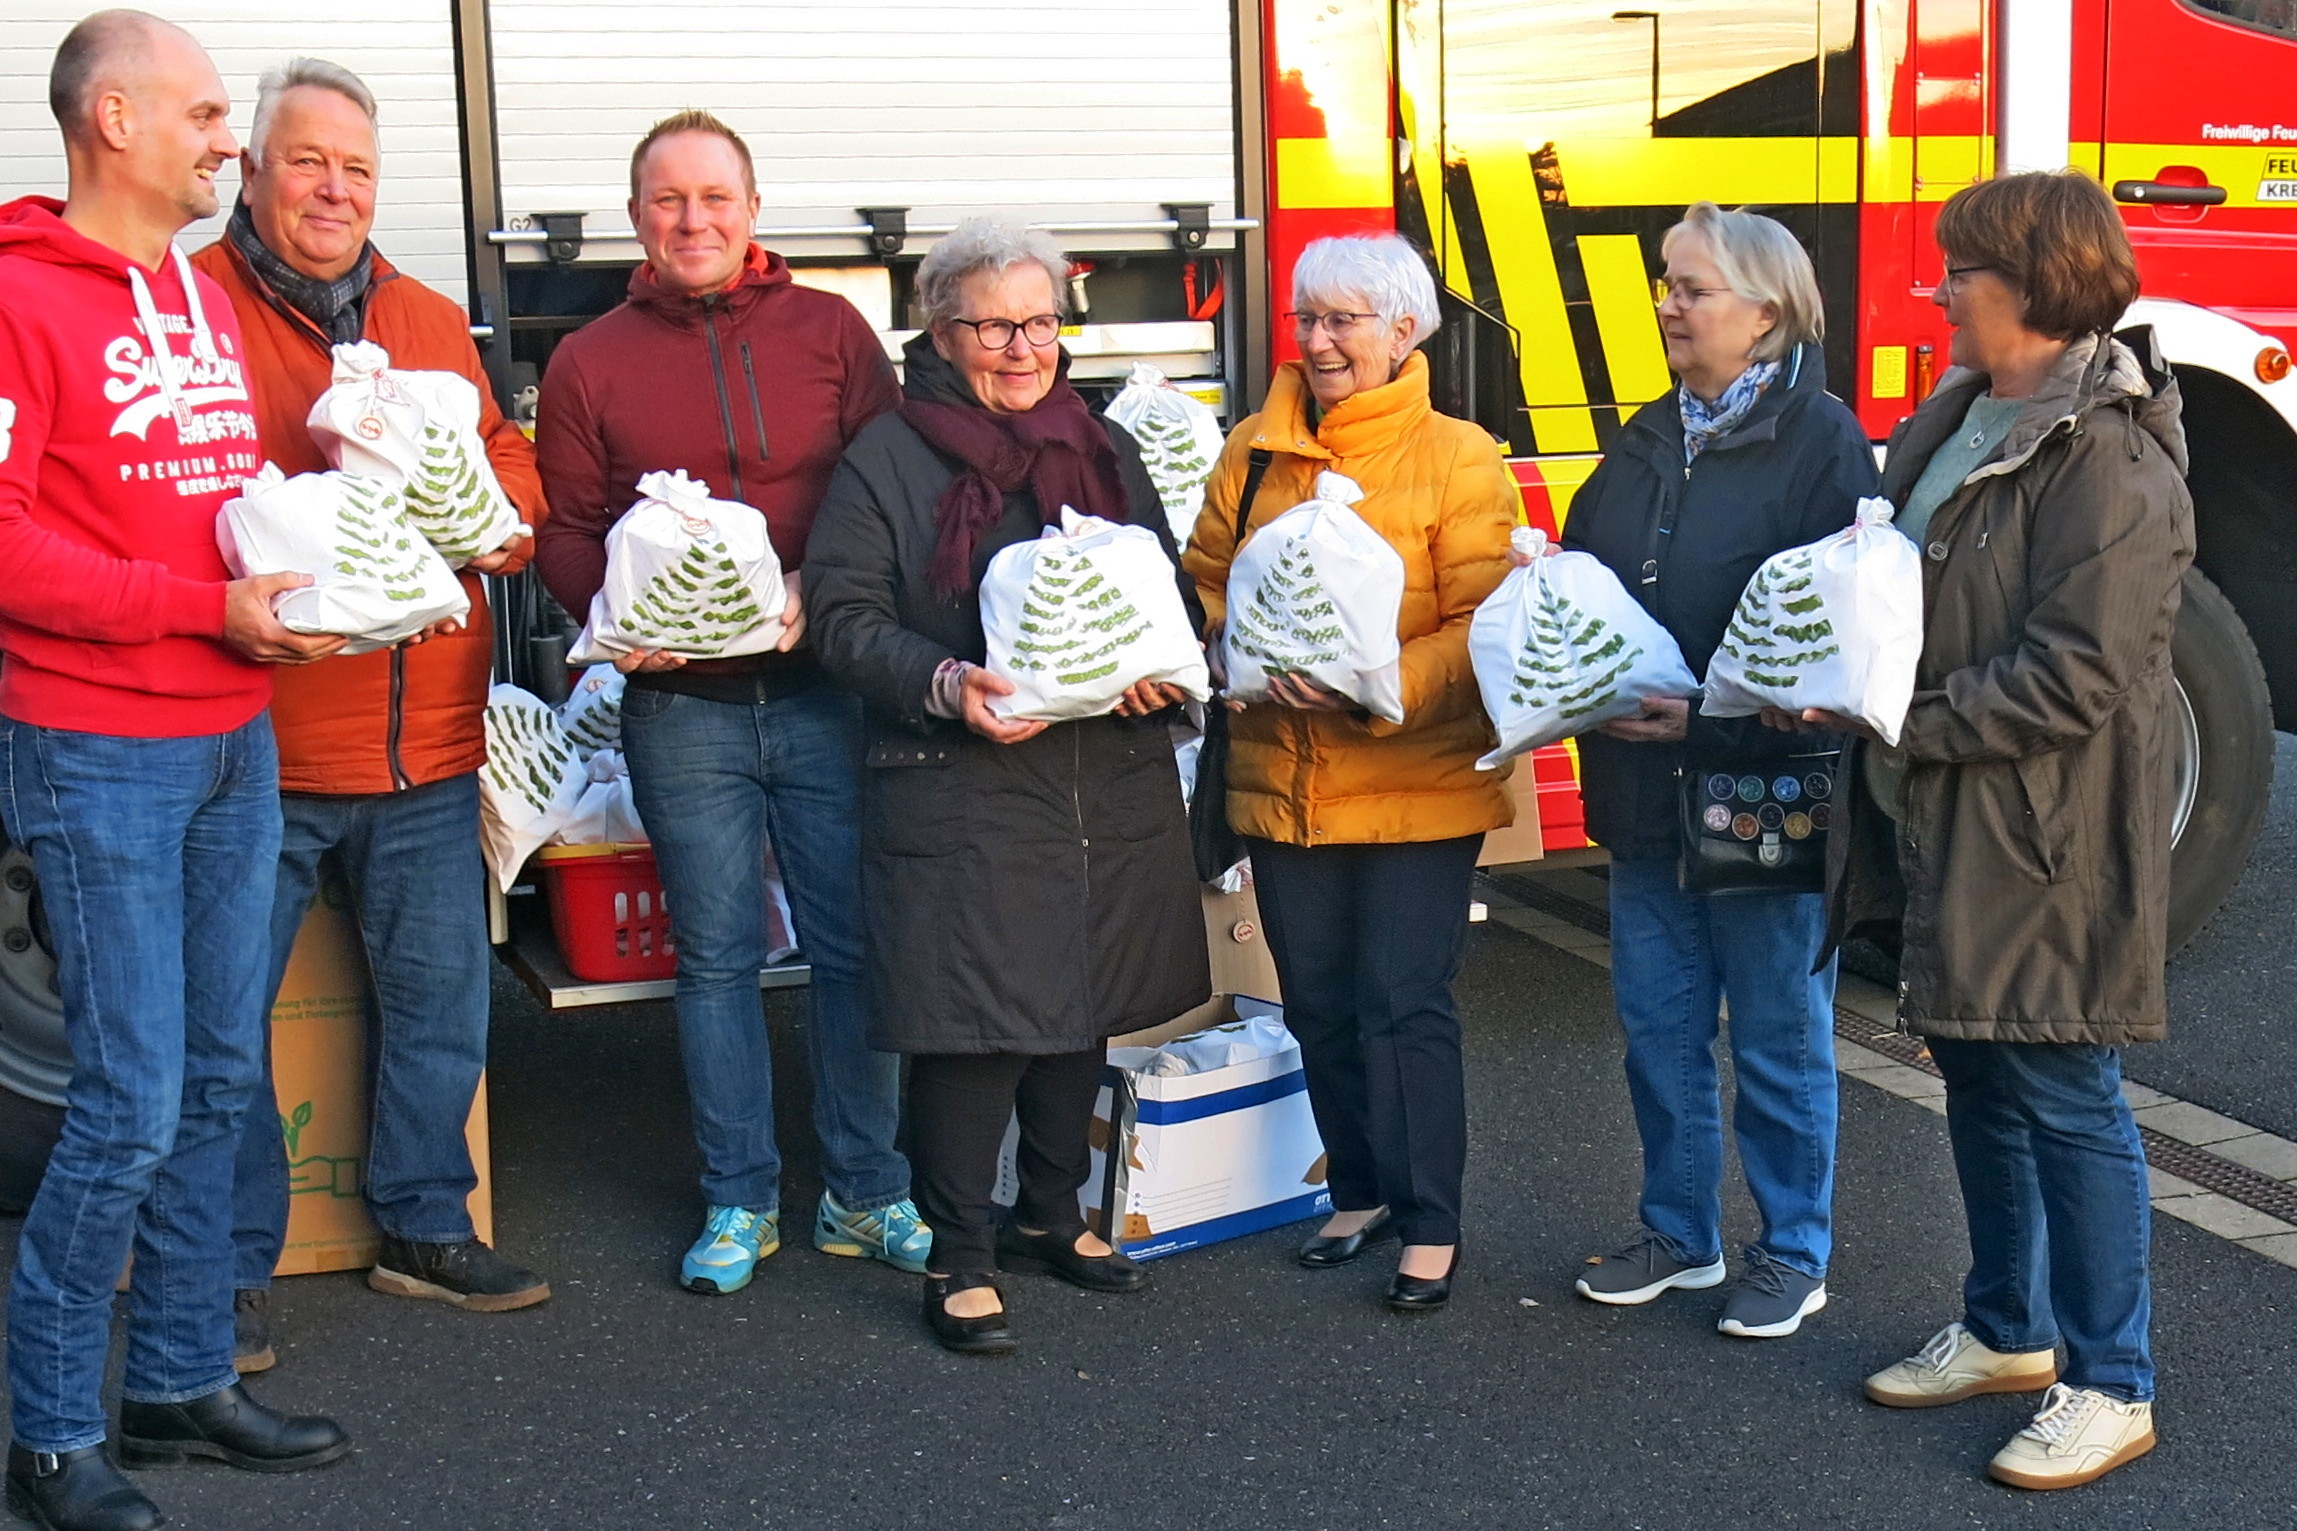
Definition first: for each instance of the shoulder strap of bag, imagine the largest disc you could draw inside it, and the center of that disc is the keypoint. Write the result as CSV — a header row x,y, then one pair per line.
x,y
1656,547
1256,470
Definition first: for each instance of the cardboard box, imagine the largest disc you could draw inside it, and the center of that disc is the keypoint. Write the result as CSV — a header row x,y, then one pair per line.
x,y
319,1064
1522,840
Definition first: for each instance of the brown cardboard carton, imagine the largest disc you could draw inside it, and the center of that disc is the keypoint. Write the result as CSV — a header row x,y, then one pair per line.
x,y
319,1065
1521,840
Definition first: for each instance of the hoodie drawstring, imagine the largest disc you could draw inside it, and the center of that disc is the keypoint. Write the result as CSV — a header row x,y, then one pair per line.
x,y
202,338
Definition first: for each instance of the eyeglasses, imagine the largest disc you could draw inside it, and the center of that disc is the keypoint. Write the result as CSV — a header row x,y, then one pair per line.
x,y
1955,274
1339,324
1686,295
997,334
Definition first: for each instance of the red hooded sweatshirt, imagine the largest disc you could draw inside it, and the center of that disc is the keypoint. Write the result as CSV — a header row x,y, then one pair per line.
x,y
111,474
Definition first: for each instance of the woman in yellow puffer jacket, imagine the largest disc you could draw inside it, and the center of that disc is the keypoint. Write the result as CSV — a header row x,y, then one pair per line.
x,y
1363,833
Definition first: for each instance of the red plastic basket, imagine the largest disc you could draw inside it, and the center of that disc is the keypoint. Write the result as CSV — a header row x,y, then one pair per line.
x,y
607,908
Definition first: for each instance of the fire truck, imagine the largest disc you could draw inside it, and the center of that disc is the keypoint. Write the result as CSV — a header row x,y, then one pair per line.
x,y
1186,150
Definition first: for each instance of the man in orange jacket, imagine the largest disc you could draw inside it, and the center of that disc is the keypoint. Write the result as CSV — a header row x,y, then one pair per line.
x,y
378,753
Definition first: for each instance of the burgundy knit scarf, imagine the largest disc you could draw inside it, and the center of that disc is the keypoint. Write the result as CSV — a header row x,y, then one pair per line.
x,y
1056,450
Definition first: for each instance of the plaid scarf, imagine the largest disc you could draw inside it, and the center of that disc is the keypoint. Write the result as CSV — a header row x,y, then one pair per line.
x,y
337,308
1703,422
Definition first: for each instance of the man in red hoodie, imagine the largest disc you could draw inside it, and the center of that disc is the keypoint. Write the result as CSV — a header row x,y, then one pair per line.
x,y
136,764
378,753
719,364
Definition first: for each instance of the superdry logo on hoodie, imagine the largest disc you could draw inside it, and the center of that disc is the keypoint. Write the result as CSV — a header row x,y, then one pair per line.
x,y
132,427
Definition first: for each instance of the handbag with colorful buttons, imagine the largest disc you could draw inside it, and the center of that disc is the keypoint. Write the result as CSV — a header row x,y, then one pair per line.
x,y
1757,825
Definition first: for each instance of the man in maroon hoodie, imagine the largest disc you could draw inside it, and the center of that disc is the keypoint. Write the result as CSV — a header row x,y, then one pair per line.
x,y
719,364
137,766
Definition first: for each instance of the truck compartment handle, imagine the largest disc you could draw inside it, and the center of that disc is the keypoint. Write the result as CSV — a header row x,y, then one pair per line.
x,y
2161,193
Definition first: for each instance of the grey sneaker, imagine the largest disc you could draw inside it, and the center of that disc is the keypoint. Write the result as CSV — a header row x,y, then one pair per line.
x,y
1771,1300
1641,1270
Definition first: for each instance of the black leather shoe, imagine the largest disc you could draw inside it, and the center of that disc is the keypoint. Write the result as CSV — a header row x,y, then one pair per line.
x,y
1423,1294
989,1335
1055,1254
1321,1253
76,1491
227,1426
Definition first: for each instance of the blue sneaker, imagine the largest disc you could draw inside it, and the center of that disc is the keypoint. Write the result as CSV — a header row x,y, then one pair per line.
x,y
892,1234
733,1241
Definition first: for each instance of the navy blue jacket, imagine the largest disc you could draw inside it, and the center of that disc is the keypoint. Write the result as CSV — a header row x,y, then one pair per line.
x,y
1790,473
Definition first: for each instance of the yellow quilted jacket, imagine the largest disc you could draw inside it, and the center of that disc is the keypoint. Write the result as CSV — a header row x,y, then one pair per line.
x,y
1437,490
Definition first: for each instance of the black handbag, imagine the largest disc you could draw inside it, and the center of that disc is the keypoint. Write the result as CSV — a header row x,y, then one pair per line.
x,y
1749,823
1218,847
1757,824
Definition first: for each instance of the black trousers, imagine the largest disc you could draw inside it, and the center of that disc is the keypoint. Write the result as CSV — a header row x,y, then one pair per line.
x,y
1368,940
959,1104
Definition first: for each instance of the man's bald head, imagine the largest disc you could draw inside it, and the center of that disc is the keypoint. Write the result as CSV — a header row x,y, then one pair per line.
x,y
110,50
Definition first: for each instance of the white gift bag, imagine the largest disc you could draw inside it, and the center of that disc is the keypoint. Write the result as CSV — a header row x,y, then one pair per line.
x,y
1561,648
592,711
1179,438
374,579
1836,624
1082,614
421,430
530,784
605,814
1316,592
686,574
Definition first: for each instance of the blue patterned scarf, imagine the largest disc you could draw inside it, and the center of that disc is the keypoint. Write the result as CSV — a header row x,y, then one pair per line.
x,y
1703,422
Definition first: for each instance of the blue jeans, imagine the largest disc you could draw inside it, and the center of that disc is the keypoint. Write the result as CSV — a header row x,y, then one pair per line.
x,y
1676,957
154,858
715,782
2054,1188
418,892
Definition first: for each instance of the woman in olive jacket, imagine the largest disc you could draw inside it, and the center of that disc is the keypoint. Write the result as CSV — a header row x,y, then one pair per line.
x,y
1029,887
2019,835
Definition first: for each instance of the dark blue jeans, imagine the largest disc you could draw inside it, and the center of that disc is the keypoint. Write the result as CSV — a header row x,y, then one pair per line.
x,y
154,858
418,893
1676,957
2054,1188
1368,940
715,782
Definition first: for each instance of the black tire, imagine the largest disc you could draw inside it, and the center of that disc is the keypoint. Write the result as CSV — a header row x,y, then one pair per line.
x,y
28,1132
2225,752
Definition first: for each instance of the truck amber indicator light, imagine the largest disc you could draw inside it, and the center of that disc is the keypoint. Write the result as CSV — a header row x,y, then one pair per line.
x,y
1925,370
2272,364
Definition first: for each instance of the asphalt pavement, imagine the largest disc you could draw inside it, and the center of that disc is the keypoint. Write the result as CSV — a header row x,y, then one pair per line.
x,y
1241,1391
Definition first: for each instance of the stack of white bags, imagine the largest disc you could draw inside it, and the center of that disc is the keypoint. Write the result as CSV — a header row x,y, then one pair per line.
x,y
1180,440
531,784
1081,615
1561,648
1835,625
1317,593
685,574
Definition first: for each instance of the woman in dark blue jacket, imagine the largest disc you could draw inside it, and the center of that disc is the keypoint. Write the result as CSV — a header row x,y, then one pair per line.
x,y
1748,456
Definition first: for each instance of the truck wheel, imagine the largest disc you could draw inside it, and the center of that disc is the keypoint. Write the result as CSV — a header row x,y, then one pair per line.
x,y
2223,742
35,1062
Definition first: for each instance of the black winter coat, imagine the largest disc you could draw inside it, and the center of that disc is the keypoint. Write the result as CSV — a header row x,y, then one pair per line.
x,y
1790,473
1027,898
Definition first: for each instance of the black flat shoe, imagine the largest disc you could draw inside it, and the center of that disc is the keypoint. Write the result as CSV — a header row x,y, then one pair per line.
x,y
988,1335
227,1426
1423,1294
1321,1253
1055,1254
76,1491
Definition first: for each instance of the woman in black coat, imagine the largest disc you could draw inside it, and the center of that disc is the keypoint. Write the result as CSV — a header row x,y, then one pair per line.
x,y
1029,887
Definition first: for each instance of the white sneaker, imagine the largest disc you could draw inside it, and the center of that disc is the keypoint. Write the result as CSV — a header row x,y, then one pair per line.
x,y
2079,1435
1955,1365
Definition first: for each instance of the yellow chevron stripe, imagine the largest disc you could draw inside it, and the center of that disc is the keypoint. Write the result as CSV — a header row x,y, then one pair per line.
x,y
1531,294
1664,172
1563,476
1625,317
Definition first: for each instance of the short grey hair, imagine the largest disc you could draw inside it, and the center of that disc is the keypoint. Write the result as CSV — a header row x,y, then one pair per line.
x,y
1761,261
985,244
1380,269
279,79
99,52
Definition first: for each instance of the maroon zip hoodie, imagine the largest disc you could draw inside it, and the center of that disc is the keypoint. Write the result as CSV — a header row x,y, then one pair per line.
x,y
112,471
755,391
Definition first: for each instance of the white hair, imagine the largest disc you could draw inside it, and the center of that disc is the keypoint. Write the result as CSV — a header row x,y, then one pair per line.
x,y
985,244
1381,269
279,79
1761,261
